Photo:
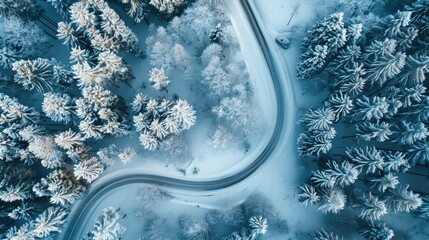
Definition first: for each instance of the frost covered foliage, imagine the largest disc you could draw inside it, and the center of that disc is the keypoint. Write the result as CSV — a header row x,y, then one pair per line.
x,y
96,34
378,99
41,74
48,222
35,166
20,39
101,113
158,119
24,9
108,226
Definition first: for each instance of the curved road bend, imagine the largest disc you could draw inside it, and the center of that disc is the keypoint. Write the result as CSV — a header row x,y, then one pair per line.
x,y
284,102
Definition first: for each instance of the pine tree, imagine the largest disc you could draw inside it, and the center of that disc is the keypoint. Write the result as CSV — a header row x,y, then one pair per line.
x,y
379,50
344,174
216,78
258,225
377,231
415,70
158,79
346,58
318,119
69,139
377,131
333,201
50,221
388,181
25,9
418,152
183,113
351,80
108,226
412,95
312,61
127,155
330,32
89,170
368,157
148,141
367,109
22,39
40,74
138,10
395,161
308,195
66,32
385,68
323,179
401,199
168,7
372,207
307,145
341,105
57,106
409,133
45,149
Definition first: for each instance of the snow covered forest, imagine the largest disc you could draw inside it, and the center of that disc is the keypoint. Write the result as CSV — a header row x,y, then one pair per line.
x,y
89,85
186,91
369,137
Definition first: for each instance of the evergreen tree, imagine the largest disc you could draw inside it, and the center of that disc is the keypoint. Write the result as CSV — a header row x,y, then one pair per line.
x,y
330,32
368,157
21,39
418,152
395,161
50,221
308,195
415,70
69,139
351,80
378,50
108,226
372,207
308,145
401,199
168,7
25,9
409,133
89,169
377,231
367,109
333,201
158,79
377,131
344,174
387,181
258,225
385,68
40,74
312,61
318,119
341,105
346,58
57,106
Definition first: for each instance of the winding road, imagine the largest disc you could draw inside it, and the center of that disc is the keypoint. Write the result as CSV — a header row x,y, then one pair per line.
x,y
285,101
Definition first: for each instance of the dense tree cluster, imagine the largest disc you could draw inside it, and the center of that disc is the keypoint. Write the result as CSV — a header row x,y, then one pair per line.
x,y
378,103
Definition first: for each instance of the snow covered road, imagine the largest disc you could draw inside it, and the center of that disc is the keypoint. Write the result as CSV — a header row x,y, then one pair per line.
x,y
284,125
